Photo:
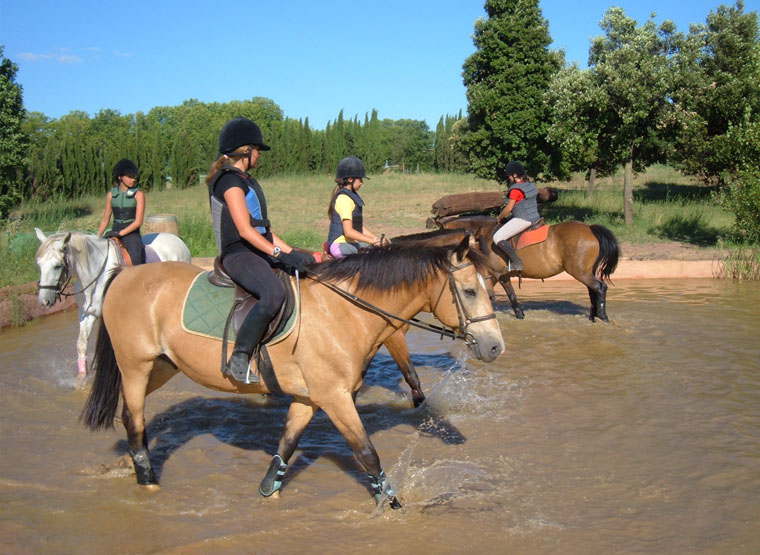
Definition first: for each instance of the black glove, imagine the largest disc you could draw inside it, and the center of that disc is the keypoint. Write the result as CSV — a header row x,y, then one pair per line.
x,y
296,260
111,234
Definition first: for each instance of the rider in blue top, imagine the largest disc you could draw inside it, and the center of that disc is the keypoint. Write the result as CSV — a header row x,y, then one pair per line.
x,y
248,247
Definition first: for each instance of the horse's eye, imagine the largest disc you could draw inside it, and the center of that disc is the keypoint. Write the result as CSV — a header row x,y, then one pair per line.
x,y
57,267
471,293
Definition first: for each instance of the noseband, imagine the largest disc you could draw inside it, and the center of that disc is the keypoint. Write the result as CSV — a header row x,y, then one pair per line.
x,y
464,319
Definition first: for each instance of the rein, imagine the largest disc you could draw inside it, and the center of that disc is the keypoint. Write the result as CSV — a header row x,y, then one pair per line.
x,y
65,277
438,330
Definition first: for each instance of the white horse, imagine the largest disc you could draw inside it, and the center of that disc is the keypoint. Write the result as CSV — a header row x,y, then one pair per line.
x,y
90,261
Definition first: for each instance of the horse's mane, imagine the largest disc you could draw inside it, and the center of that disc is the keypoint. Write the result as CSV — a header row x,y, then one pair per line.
x,y
392,268
428,235
82,244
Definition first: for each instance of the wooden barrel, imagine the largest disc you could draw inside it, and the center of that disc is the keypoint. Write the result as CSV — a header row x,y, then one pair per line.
x,y
160,223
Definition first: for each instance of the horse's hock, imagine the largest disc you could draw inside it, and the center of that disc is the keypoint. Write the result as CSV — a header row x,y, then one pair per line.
x,y
161,223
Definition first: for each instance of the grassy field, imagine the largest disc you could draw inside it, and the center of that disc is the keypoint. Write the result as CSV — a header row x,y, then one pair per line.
x,y
667,207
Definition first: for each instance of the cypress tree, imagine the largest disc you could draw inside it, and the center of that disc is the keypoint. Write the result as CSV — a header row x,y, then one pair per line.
x,y
505,79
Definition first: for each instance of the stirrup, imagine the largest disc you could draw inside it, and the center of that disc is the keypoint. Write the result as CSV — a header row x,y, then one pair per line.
x,y
247,377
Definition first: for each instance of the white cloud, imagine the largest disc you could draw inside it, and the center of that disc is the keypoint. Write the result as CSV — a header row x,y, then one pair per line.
x,y
59,57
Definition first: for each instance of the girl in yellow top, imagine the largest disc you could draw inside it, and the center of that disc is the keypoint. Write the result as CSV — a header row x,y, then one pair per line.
x,y
347,230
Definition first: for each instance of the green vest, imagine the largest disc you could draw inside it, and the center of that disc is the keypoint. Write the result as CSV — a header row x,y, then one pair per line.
x,y
124,207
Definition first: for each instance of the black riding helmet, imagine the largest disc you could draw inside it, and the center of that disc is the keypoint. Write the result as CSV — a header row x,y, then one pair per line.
x,y
350,166
124,166
515,167
238,132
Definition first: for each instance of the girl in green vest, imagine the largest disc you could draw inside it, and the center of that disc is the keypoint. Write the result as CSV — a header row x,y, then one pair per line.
x,y
127,204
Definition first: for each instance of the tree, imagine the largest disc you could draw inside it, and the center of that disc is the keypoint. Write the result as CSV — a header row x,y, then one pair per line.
x,y
13,141
633,70
718,94
506,79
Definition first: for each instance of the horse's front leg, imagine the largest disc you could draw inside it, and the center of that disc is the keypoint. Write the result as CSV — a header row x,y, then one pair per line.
x,y
300,413
399,351
85,329
342,412
506,283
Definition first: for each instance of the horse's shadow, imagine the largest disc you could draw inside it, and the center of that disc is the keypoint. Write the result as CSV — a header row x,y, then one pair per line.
x,y
241,423
562,308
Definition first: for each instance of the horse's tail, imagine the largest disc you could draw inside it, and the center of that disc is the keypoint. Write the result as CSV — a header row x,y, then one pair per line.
x,y
609,252
100,409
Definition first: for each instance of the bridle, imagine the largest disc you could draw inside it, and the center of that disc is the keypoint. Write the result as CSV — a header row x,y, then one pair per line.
x,y
65,277
464,319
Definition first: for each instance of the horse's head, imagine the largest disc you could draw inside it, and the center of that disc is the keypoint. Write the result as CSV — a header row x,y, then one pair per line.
x,y
54,268
462,303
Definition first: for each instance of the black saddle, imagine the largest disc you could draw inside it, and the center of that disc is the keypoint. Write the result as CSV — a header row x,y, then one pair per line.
x,y
244,301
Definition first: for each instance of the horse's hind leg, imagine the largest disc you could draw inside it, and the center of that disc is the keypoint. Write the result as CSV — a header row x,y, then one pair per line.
x,y
300,413
342,412
399,351
597,292
506,283
134,389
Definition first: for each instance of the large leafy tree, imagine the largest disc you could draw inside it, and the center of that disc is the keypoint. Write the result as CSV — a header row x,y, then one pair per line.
x,y
506,79
632,69
719,96
13,141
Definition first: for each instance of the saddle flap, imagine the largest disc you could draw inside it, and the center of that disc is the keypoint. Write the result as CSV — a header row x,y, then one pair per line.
x,y
531,236
121,250
279,321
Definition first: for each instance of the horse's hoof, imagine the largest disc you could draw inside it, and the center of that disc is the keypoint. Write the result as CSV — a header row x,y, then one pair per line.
x,y
417,398
394,503
520,315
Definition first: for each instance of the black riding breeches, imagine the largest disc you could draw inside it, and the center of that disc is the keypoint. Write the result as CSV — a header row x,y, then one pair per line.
x,y
254,274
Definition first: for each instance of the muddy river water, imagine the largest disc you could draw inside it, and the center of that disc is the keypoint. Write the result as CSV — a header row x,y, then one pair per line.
x,y
641,435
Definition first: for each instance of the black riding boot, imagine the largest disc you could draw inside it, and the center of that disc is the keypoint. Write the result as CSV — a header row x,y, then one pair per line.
x,y
249,335
514,264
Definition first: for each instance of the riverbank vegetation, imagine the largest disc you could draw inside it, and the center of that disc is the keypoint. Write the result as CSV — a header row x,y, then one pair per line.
x,y
670,207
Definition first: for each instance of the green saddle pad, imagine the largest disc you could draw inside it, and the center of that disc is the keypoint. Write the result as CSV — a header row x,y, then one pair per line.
x,y
206,307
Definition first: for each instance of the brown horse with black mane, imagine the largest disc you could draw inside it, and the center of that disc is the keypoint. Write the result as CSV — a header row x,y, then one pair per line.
x,y
142,343
589,253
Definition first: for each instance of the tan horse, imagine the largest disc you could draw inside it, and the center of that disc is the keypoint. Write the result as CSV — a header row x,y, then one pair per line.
x,y
141,343
588,253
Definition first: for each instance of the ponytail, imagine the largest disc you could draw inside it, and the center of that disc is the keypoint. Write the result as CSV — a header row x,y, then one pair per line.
x,y
331,208
225,160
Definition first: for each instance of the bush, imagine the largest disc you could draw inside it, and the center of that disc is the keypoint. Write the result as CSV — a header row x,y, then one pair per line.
x,y
743,199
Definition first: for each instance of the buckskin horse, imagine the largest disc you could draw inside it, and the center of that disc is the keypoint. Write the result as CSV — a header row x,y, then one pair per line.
x,y
347,310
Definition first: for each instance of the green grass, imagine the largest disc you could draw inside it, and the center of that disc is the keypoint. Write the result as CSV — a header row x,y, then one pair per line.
x,y
667,207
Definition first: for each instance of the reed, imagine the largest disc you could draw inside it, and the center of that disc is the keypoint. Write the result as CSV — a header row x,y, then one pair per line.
x,y
740,263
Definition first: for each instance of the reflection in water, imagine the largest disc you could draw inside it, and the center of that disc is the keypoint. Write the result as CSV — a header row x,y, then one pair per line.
x,y
638,435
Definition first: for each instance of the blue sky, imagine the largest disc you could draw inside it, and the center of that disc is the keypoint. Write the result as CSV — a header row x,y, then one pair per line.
x,y
403,58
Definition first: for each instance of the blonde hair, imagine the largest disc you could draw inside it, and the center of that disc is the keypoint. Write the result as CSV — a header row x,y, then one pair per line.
x,y
228,159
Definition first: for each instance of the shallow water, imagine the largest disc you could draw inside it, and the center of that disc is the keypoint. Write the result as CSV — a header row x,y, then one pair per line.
x,y
642,435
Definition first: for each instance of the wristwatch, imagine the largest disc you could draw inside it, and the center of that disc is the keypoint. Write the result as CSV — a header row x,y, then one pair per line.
x,y
276,252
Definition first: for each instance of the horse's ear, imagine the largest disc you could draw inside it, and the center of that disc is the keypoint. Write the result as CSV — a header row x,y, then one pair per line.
x,y
463,248
67,238
40,235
